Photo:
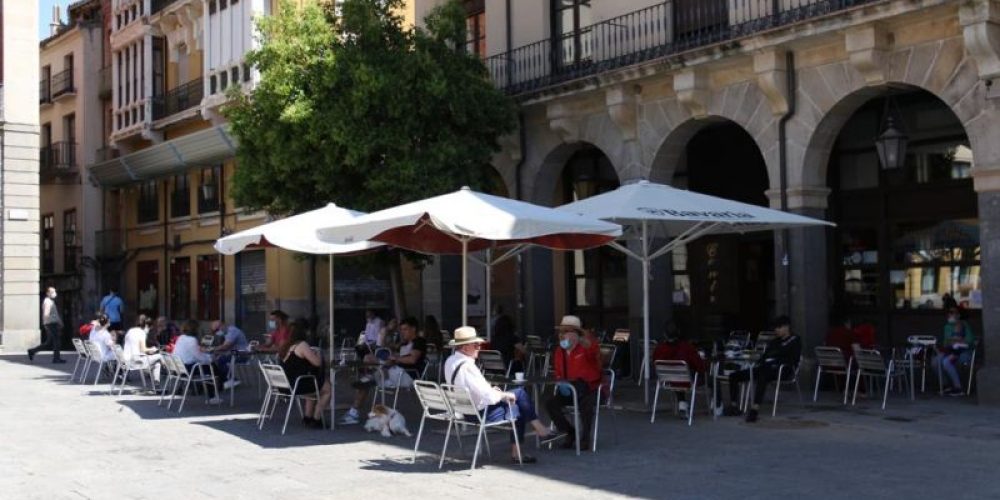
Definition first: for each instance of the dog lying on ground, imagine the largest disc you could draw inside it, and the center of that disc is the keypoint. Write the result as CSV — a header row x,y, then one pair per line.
x,y
386,421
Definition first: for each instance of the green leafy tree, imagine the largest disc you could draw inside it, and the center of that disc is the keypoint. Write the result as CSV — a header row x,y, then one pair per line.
x,y
361,110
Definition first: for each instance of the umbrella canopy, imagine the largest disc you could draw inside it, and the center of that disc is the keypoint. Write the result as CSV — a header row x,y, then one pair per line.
x,y
466,220
671,212
657,210
296,233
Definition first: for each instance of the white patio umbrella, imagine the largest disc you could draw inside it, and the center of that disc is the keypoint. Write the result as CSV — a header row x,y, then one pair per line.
x,y
657,210
466,220
298,234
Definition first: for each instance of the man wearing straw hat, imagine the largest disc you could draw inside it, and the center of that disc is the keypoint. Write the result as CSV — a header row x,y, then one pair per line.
x,y
461,371
576,363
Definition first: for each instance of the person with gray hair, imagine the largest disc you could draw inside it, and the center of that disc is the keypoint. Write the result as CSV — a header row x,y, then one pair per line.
x,y
52,324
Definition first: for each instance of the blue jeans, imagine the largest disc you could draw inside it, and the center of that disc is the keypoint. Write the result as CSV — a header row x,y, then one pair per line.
x,y
949,368
522,411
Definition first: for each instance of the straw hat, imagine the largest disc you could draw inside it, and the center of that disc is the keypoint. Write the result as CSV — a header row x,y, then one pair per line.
x,y
465,335
571,322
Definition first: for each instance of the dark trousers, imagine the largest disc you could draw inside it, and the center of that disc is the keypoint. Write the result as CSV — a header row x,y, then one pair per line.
x,y
762,377
523,411
555,405
53,340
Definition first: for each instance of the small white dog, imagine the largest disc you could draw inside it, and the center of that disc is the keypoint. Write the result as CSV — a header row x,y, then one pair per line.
x,y
386,421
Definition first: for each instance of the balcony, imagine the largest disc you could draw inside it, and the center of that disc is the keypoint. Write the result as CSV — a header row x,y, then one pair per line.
x,y
109,244
661,30
178,99
105,153
44,91
58,163
104,88
62,83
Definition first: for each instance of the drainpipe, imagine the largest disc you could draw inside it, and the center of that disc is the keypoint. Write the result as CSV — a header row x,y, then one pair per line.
x,y
786,285
510,43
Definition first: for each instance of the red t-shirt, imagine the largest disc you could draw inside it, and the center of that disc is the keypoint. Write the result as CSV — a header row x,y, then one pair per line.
x,y
680,351
581,363
280,336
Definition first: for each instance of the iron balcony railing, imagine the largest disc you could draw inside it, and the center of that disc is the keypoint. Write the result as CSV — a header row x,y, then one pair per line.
x,y
109,243
178,99
58,161
660,30
62,83
44,91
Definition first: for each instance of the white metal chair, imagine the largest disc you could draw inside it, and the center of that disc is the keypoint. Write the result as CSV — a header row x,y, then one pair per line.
x,y
97,358
435,407
124,368
608,353
575,410
871,365
462,405
830,361
82,357
193,375
432,365
607,403
279,388
782,371
970,366
675,376
169,374
492,365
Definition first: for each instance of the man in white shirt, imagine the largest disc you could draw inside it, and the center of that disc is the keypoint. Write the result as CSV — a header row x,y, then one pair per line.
x,y
52,323
461,371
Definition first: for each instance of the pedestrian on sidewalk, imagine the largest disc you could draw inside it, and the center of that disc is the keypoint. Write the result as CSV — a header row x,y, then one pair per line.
x,y
113,306
52,324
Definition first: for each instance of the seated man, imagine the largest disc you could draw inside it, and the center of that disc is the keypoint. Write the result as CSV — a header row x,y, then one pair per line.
x,y
841,335
957,341
398,371
783,349
233,340
461,371
677,348
277,324
576,362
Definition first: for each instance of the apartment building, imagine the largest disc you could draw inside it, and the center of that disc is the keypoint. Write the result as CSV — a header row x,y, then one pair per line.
x,y
172,62
72,99
19,215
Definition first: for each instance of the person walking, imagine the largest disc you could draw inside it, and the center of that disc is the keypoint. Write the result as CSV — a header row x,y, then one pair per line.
x,y
52,324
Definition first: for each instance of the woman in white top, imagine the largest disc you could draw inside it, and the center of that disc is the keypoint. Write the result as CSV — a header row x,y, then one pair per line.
x,y
103,338
188,350
135,348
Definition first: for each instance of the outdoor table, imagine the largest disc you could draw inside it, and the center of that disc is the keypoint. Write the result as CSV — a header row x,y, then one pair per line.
x,y
923,343
745,360
536,384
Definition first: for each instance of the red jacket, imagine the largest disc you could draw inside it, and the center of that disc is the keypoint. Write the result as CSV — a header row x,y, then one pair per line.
x,y
581,363
680,351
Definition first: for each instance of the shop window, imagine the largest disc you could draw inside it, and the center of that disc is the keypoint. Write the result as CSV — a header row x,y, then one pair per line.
x,y
180,197
149,204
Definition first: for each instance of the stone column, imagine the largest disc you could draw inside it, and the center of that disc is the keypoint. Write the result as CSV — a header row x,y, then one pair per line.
x,y
808,302
987,182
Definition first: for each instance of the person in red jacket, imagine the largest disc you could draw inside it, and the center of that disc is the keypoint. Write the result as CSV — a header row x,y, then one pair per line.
x,y
677,348
576,364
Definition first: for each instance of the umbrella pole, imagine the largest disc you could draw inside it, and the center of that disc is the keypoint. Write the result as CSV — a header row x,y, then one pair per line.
x,y
489,294
465,284
645,311
333,373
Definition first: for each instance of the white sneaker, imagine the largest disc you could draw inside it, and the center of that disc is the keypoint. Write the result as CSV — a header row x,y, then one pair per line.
x,y
229,384
215,401
349,418
682,406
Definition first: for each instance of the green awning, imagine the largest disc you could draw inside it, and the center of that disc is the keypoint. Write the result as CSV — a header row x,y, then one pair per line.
x,y
203,148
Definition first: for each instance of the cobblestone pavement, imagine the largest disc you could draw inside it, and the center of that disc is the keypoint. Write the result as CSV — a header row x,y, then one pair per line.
x,y
65,440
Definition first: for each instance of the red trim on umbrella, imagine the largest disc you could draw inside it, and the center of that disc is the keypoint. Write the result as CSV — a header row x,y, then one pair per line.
x,y
430,240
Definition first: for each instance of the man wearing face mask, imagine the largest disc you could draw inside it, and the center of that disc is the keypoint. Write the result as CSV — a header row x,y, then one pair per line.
x,y
576,363
277,324
53,325
234,340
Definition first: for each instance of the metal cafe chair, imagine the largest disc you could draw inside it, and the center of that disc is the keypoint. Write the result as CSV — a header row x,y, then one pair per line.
x,y
830,361
278,388
782,371
675,377
461,403
82,358
435,407
871,365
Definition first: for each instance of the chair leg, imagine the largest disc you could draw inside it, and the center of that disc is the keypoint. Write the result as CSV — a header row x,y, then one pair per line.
x,y
173,392
819,374
288,412
479,440
444,449
656,399
777,391
885,394
694,399
857,381
847,383
420,433
184,395
597,424
517,443
263,411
